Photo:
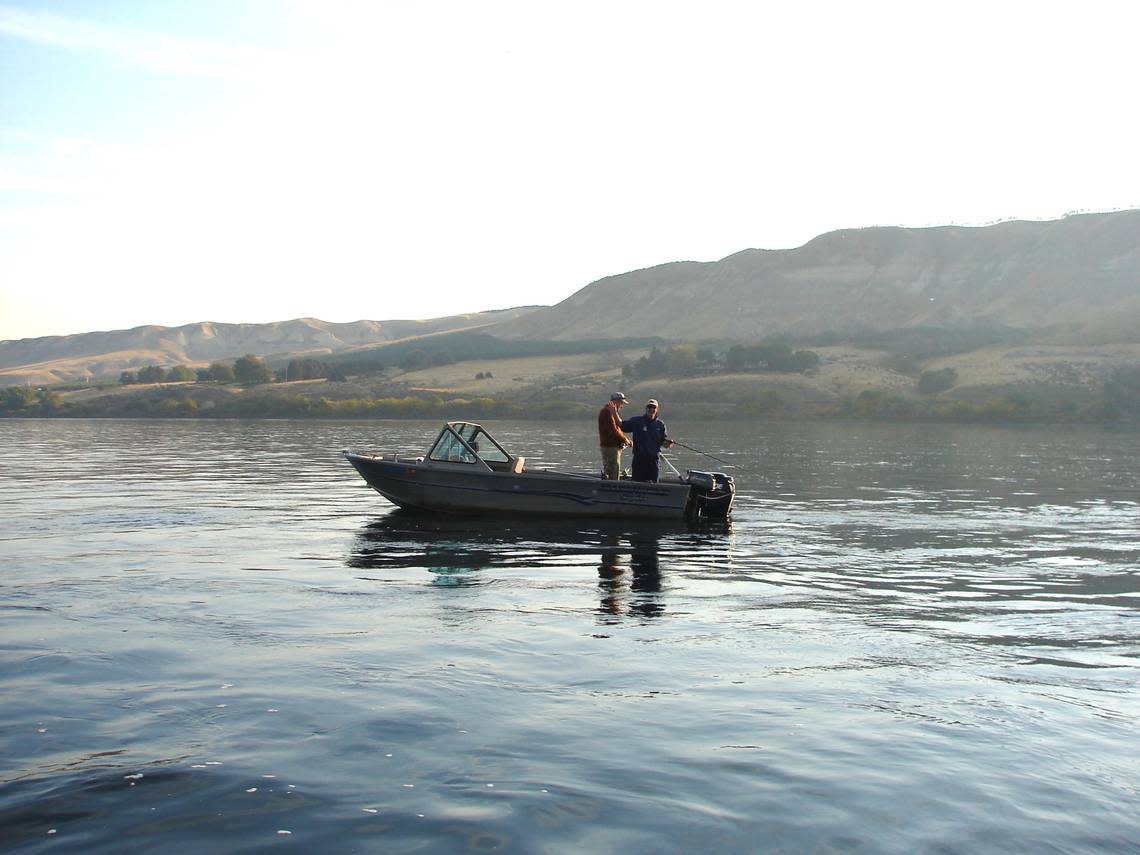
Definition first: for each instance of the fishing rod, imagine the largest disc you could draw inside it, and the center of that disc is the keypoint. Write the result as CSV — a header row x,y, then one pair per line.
x,y
705,453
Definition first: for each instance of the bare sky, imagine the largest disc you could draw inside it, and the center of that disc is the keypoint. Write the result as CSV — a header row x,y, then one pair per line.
x,y
222,160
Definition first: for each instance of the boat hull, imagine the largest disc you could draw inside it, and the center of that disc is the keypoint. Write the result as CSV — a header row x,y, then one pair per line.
x,y
459,488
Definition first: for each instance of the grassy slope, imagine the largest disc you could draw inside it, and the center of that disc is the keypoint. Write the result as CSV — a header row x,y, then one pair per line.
x,y
587,379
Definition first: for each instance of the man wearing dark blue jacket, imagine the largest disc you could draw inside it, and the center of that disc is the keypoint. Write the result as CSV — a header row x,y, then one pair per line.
x,y
649,437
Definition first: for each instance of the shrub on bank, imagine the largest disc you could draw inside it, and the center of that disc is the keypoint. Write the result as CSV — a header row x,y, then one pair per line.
x,y
933,382
28,401
164,401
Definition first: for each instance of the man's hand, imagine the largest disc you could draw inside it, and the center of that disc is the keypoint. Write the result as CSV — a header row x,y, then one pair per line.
x,y
668,443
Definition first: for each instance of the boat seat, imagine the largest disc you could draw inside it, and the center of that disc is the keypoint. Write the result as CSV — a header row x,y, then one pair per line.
x,y
517,465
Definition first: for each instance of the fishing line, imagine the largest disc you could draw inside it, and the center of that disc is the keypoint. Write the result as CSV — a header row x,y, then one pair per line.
x,y
671,466
705,453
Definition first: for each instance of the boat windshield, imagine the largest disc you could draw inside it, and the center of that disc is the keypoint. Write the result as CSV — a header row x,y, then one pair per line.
x,y
458,440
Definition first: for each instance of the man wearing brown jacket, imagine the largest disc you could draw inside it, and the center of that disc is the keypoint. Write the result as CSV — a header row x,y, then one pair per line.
x,y
610,436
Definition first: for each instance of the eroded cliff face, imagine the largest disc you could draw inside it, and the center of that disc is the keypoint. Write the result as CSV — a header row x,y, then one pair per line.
x,y
1079,277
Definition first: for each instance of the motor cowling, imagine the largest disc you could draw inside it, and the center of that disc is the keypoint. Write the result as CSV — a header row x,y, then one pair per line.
x,y
710,494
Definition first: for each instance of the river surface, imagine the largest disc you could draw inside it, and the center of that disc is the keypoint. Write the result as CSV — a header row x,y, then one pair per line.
x,y
907,640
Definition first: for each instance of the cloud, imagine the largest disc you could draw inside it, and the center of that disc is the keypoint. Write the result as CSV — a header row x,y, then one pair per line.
x,y
152,51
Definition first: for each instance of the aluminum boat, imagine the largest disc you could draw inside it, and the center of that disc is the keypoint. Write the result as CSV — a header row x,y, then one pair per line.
x,y
466,470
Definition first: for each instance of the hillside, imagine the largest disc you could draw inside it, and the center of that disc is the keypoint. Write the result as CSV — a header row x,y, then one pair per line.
x,y
1072,285
1076,279
1039,383
52,359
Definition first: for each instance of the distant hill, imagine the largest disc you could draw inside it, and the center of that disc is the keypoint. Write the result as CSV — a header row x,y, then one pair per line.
x,y
1078,278
51,359
1069,282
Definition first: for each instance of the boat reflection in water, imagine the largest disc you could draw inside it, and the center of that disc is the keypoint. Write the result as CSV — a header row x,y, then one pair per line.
x,y
630,557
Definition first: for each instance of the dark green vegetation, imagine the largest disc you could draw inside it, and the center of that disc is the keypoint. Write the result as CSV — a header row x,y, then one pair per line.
x,y
190,402
910,349
26,401
222,372
447,348
358,384
914,346
686,360
1118,399
422,352
933,382
1122,394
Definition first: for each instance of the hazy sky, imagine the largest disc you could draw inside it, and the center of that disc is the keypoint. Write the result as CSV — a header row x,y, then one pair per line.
x,y
168,162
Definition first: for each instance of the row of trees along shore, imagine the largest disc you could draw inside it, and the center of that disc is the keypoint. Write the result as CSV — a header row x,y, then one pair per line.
x,y
1119,400
248,370
687,359
677,360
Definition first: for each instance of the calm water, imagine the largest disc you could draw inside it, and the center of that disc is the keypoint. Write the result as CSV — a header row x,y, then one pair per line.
x,y
919,639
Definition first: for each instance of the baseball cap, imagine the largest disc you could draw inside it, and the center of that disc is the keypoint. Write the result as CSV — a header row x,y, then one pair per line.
x,y
618,396
652,402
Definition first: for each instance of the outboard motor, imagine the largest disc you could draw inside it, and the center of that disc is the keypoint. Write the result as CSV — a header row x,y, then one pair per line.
x,y
710,495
